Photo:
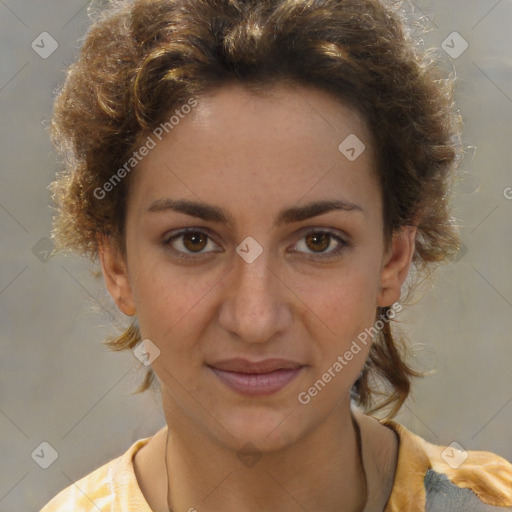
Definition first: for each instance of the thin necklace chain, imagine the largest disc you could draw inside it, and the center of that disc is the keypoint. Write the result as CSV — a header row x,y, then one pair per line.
x,y
359,446
167,472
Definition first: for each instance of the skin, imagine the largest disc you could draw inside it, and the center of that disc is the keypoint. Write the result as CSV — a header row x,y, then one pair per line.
x,y
254,156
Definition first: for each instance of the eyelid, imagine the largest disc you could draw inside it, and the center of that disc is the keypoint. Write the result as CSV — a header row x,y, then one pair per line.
x,y
321,229
177,234
340,237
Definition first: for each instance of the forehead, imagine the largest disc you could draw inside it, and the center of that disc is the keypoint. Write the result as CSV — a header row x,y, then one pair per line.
x,y
289,141
280,115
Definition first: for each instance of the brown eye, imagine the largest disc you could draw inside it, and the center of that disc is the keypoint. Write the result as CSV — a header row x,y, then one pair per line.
x,y
190,243
195,241
318,241
320,244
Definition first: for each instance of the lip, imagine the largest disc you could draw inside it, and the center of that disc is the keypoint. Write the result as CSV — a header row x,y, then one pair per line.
x,y
255,378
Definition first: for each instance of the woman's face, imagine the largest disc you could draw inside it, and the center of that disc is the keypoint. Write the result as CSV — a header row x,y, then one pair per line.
x,y
270,287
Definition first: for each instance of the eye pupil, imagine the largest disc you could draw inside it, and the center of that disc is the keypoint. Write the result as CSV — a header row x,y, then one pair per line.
x,y
192,238
322,238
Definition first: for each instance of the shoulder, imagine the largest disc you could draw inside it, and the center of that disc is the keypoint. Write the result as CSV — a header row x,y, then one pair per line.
x,y
87,494
445,478
104,488
478,479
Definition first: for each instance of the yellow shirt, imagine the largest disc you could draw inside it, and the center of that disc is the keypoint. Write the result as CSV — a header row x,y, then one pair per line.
x,y
424,482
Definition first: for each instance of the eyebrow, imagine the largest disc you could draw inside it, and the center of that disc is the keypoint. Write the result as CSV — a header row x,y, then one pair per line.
x,y
209,212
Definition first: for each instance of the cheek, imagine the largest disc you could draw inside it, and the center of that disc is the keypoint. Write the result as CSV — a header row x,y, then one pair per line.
x,y
173,304
344,305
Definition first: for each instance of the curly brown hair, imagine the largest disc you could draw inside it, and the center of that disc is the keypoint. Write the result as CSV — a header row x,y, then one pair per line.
x,y
142,59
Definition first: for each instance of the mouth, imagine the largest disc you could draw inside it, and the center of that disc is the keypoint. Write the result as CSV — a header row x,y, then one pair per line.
x,y
256,378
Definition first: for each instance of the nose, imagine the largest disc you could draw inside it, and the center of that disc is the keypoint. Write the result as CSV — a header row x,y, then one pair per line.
x,y
255,304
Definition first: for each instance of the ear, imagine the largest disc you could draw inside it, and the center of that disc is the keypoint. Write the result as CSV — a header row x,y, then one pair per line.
x,y
396,265
115,274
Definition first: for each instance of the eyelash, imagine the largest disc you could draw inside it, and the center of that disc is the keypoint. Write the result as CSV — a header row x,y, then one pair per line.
x,y
314,256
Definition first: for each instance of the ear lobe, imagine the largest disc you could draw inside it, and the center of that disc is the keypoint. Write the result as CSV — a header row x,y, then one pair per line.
x,y
115,274
396,268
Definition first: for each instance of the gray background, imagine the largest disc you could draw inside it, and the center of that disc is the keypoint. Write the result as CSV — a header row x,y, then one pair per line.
x,y
59,384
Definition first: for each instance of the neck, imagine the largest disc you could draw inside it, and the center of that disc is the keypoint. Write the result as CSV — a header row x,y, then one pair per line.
x,y
312,474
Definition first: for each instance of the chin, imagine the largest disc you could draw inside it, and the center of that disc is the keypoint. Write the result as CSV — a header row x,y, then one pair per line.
x,y
264,428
